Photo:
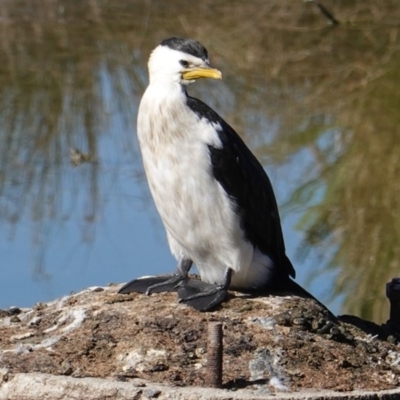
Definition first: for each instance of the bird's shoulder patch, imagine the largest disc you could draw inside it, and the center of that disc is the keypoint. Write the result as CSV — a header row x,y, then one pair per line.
x,y
202,110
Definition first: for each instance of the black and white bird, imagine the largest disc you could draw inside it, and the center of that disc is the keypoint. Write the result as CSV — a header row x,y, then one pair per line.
x,y
214,198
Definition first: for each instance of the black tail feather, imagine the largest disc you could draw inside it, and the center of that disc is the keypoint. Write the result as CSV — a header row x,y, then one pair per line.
x,y
293,287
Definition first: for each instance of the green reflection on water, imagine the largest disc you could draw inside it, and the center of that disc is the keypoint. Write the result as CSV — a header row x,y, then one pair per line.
x,y
330,90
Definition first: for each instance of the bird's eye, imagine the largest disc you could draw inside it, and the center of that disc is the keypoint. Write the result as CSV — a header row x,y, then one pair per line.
x,y
184,63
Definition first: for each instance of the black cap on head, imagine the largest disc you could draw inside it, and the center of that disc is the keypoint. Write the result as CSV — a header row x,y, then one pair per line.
x,y
188,46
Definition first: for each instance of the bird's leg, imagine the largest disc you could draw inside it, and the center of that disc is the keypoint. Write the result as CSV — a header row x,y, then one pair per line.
x,y
204,296
161,283
181,274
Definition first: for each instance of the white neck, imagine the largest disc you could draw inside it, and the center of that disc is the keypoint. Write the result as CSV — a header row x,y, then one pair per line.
x,y
161,111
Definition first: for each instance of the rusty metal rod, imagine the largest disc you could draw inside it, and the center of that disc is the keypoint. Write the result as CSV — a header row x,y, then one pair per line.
x,y
214,355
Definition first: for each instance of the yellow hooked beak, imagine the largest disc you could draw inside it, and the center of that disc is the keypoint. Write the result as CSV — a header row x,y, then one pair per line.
x,y
194,73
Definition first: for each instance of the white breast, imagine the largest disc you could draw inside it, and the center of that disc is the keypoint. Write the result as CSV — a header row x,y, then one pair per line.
x,y
199,217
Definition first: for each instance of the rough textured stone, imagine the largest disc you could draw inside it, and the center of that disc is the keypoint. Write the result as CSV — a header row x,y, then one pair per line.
x,y
137,347
50,387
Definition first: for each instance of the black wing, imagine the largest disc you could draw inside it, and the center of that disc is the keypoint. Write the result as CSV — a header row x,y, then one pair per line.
x,y
247,184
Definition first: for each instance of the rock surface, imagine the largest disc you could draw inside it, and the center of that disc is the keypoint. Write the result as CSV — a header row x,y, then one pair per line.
x,y
99,344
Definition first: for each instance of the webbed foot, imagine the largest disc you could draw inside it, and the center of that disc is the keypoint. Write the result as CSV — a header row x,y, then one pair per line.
x,y
200,295
159,283
152,284
204,296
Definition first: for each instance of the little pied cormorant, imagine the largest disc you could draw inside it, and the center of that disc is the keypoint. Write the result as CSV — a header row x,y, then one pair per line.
x,y
214,198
